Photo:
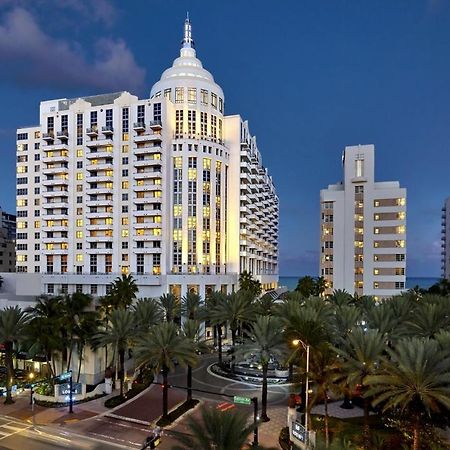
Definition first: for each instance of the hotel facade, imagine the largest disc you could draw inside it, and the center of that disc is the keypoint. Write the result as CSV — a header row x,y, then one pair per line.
x,y
363,230
168,189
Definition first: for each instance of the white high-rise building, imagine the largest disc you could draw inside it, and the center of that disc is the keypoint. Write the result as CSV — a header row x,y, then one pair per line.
x,y
446,240
363,230
167,189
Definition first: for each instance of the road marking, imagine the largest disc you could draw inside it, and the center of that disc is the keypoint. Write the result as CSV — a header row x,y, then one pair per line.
x,y
18,430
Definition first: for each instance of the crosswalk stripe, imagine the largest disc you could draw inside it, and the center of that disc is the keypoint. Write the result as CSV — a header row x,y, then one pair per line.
x,y
13,428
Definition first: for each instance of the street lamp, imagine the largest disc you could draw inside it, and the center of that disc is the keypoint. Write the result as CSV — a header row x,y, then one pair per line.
x,y
295,343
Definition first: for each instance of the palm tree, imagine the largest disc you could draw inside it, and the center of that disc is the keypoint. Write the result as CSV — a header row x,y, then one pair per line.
x,y
191,305
415,379
236,310
171,306
323,374
212,301
193,331
249,284
266,340
159,348
305,286
147,312
320,284
13,322
119,334
428,319
73,308
359,357
123,291
217,430
44,332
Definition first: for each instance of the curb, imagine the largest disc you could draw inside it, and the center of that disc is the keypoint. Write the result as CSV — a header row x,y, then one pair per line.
x,y
128,419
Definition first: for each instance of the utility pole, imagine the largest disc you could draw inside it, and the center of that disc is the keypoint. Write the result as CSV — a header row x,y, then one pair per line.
x,y
255,421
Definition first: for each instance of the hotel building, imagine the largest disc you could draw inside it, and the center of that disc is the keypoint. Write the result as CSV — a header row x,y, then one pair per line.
x,y
167,188
7,242
446,240
363,230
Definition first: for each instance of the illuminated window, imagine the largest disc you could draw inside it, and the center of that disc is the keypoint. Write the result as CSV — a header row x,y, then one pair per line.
x,y
401,215
157,219
109,233
177,210
124,148
156,232
179,95
157,181
22,224
177,235
401,229
376,271
109,148
125,136
79,152
376,285
79,222
206,211
109,221
157,194
192,222
124,220
140,231
79,176
192,174
64,246
79,257
400,243
178,162
49,246
22,202
401,201
376,203
125,233
22,169
22,258
376,244
376,230
192,95
79,234
124,184
376,217
124,269
108,173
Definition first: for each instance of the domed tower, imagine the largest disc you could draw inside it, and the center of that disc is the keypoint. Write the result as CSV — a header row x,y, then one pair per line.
x,y
197,169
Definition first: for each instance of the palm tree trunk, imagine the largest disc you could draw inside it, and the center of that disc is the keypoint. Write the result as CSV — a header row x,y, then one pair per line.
x,y
122,369
49,366
233,343
366,432
416,433
9,371
327,431
165,372
219,340
264,416
80,358
189,383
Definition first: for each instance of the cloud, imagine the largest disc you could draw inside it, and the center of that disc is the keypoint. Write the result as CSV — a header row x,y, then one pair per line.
x,y
97,11
30,57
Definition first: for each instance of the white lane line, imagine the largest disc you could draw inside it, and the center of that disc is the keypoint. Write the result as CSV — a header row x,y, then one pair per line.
x,y
10,427
19,430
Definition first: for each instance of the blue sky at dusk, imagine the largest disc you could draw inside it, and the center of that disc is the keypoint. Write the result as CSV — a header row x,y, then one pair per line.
x,y
310,76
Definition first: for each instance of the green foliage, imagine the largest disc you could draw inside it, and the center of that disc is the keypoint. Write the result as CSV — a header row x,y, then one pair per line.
x,y
249,284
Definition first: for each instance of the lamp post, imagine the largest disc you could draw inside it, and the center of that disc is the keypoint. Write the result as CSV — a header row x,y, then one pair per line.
x,y
295,342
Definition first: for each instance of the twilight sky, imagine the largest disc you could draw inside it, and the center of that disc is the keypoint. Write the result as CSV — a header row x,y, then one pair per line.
x,y
310,76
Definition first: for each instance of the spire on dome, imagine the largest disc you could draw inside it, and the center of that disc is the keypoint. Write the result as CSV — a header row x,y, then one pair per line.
x,y
187,41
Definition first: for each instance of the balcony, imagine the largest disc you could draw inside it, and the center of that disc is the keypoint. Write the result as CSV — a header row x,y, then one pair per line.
x,y
147,150
108,130
55,205
99,215
55,159
55,147
94,203
56,182
63,135
55,240
99,226
147,238
99,155
147,212
99,143
139,126
59,193
48,137
54,170
155,125
99,191
55,228
100,179
147,163
146,250
147,175
147,187
99,238
100,166
93,131
58,216
148,137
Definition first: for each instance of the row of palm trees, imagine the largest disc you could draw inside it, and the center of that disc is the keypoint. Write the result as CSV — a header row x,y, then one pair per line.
x,y
396,352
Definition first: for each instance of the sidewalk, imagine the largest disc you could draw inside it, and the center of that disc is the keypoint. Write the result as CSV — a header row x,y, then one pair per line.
x,y
22,410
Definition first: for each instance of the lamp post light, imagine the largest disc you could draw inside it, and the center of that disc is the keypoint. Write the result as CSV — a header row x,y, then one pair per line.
x,y
296,342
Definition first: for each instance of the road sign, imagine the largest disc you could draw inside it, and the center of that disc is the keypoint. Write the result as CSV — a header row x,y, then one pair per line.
x,y
64,389
299,431
63,376
242,400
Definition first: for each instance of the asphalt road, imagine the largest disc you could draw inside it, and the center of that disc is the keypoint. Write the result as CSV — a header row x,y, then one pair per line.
x,y
19,435
148,407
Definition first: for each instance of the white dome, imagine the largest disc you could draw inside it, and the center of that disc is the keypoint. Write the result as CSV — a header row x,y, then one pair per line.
x,y
187,70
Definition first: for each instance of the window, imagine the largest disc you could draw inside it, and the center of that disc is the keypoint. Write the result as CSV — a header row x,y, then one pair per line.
x,y
157,112
214,100
204,96
109,118
192,95
22,136
179,95
359,167
167,93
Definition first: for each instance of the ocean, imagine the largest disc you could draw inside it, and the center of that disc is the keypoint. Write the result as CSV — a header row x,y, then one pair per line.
x,y
423,282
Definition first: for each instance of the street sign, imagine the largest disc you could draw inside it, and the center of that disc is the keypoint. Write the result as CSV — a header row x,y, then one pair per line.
x,y
299,431
242,400
64,389
63,376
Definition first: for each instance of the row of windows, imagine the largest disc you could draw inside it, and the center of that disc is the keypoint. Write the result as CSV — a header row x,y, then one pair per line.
x,y
190,94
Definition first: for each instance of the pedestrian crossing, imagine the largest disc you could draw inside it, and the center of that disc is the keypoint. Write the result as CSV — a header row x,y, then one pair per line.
x,y
10,428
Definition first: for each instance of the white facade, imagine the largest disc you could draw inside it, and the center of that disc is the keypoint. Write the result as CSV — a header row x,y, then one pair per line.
x,y
167,189
363,230
446,240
